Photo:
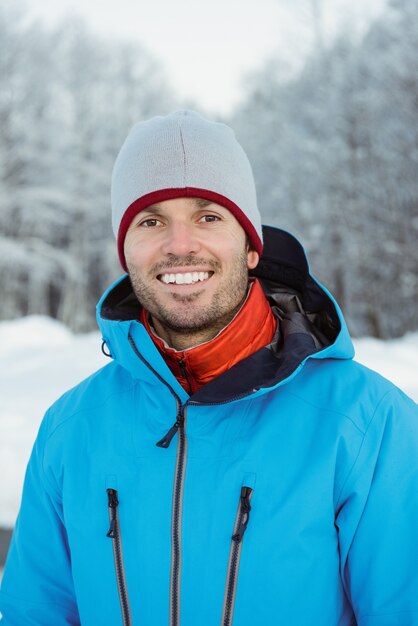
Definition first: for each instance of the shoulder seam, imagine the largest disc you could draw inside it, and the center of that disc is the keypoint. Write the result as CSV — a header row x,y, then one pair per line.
x,y
361,445
93,406
327,410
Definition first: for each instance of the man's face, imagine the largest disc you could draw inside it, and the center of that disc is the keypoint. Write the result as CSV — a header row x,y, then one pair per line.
x,y
188,262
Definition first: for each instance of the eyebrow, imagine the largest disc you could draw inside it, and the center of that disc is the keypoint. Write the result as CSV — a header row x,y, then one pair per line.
x,y
153,208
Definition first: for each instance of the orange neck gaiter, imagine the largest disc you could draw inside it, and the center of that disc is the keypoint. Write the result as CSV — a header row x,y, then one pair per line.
x,y
251,329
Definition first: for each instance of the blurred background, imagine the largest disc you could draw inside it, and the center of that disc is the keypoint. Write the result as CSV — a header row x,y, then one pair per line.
x,y
323,95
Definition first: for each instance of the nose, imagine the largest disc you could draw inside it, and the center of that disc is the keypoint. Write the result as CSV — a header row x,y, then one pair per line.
x,y
181,240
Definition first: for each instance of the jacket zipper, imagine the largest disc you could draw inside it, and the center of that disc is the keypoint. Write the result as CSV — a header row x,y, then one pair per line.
x,y
177,502
176,513
114,535
176,520
241,523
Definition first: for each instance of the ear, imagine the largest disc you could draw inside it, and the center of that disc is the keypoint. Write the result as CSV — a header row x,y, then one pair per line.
x,y
252,259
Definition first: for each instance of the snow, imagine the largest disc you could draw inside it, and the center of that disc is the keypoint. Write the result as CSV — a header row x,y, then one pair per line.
x,y
40,359
396,359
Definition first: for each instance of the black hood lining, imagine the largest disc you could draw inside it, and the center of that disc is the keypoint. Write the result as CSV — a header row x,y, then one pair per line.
x,y
121,304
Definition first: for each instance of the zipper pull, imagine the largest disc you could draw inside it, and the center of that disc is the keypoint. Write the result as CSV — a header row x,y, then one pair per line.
x,y
166,440
112,501
112,498
245,508
182,365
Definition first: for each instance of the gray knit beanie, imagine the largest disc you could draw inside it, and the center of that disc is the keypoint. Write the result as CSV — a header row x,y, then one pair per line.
x,y
183,155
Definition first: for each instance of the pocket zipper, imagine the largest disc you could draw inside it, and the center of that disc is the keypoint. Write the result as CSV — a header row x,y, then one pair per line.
x,y
241,523
114,535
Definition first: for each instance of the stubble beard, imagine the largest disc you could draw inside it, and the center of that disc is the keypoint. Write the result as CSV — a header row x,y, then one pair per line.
x,y
192,318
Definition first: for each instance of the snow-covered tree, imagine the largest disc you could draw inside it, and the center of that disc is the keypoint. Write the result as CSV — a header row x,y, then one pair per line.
x,y
335,153
67,100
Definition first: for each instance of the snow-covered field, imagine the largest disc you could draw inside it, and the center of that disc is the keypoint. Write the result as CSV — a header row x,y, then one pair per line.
x,y
40,359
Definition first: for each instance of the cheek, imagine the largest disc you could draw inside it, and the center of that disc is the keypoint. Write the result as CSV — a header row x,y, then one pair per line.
x,y
127,246
228,245
134,250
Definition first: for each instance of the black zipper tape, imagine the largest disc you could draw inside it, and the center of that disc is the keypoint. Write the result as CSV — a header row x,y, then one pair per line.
x,y
115,536
176,524
240,526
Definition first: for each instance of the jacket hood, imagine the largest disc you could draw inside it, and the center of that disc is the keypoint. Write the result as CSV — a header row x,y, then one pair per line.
x,y
311,326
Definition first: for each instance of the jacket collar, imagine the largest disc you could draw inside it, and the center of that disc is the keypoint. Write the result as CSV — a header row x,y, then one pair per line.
x,y
251,329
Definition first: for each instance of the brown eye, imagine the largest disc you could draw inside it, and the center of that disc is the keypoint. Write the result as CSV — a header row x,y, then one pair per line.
x,y
210,218
149,223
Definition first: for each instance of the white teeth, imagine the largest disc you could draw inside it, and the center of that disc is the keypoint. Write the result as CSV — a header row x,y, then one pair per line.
x,y
184,279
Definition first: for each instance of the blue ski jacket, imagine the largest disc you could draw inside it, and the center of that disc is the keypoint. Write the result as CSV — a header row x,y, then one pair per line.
x,y
284,492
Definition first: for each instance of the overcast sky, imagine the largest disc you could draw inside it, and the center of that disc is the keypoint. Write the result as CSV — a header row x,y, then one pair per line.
x,y
208,47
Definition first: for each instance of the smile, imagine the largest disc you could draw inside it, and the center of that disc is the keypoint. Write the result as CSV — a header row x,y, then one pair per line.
x,y
184,278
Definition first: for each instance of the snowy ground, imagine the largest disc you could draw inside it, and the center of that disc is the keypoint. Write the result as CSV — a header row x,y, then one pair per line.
x,y
40,359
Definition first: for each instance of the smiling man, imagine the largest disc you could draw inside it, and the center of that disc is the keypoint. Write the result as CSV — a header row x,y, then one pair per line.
x,y
232,464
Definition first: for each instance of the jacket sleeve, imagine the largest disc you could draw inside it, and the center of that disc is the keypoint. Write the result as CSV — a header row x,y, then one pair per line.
x,y
378,518
37,587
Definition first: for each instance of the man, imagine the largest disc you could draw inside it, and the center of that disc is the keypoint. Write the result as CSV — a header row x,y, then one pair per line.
x,y
232,464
